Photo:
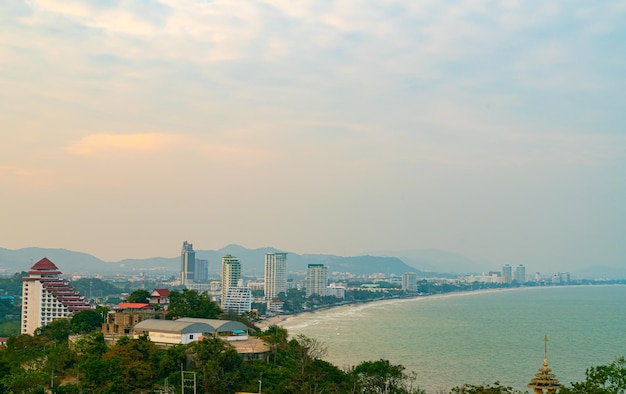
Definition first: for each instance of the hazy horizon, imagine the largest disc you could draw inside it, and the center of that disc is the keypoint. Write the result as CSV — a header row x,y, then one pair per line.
x,y
495,130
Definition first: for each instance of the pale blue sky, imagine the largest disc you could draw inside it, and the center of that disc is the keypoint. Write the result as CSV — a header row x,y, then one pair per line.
x,y
495,129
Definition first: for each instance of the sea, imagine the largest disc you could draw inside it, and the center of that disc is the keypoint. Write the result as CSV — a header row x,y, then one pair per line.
x,y
478,337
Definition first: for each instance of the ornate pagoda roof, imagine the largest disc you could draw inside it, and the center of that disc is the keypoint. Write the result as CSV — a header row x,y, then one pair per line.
x,y
44,266
544,381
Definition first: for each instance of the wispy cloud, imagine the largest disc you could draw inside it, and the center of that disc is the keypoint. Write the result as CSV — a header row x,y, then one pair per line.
x,y
95,144
342,101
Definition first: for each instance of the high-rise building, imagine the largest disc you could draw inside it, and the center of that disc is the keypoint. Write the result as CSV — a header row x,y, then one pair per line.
x,y
46,297
507,274
520,274
237,300
201,274
231,273
187,264
275,274
316,279
409,281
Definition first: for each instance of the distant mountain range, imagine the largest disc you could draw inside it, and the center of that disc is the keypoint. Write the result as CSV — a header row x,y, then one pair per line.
x,y
72,262
425,263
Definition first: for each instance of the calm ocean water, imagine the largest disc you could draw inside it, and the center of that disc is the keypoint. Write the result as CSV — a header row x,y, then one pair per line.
x,y
478,337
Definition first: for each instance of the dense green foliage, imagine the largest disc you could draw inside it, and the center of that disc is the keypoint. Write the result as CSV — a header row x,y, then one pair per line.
x,y
190,303
139,295
12,285
94,287
46,360
609,379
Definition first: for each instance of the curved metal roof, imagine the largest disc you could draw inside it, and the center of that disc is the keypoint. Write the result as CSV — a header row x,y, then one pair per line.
x,y
173,326
218,325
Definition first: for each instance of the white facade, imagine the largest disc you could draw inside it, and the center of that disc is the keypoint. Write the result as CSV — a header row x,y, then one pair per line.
x,y
507,274
231,273
46,297
520,274
493,278
237,300
275,275
409,281
316,280
336,291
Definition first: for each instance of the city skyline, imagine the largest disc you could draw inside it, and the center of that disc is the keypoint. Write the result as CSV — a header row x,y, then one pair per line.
x,y
490,129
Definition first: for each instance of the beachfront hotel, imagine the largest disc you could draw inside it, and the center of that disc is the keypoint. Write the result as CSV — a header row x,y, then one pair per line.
x,y
231,274
275,275
46,297
409,281
507,274
316,279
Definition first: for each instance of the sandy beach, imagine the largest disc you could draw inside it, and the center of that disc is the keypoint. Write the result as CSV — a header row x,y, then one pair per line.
x,y
274,320
280,319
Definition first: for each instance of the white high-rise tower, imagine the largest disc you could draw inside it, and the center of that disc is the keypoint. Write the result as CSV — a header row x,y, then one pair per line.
x,y
275,275
231,274
46,297
316,279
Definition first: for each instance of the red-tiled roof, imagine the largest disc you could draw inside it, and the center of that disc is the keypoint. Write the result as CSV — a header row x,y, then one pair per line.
x,y
45,264
160,293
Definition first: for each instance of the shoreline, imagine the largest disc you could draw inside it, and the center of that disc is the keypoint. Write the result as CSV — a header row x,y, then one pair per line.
x,y
280,319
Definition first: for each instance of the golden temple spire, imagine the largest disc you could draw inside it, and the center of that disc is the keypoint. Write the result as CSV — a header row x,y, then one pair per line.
x,y
544,381
545,350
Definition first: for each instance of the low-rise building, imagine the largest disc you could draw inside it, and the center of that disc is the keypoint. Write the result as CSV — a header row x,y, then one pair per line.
x,y
186,330
123,318
160,298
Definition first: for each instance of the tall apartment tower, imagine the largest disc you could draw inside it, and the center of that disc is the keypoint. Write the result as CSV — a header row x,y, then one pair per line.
x,y
187,264
201,274
275,274
520,274
231,274
46,297
507,274
316,279
409,281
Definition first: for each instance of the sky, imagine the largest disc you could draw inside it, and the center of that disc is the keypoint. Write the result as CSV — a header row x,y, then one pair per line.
x,y
493,129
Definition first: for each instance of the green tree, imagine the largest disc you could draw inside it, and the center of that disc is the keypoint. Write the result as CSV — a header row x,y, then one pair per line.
x,y
25,381
91,345
139,295
275,336
86,321
56,331
217,365
170,360
609,379
134,361
379,377
59,360
190,303
23,347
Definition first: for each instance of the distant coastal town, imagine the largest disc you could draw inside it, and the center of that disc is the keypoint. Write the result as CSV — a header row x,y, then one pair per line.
x,y
88,316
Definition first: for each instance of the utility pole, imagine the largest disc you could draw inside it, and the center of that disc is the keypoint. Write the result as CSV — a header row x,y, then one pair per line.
x,y
187,382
